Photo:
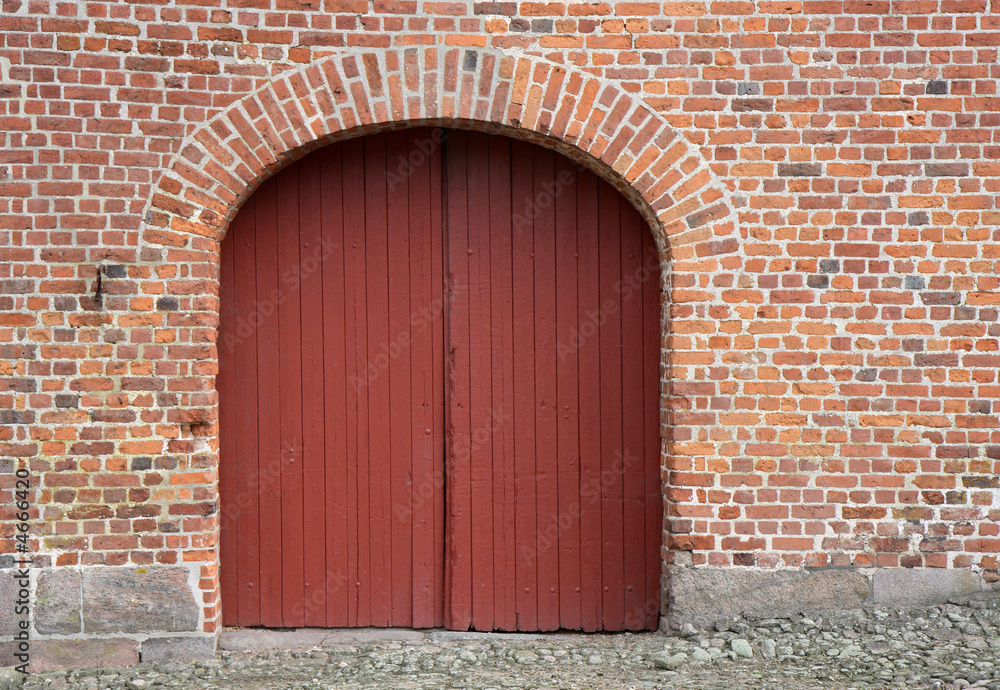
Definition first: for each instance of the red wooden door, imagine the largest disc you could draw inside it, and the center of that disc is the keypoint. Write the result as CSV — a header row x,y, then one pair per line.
x,y
332,393
402,330
554,502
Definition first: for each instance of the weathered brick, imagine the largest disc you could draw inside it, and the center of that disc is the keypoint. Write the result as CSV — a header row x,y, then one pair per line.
x,y
800,169
946,169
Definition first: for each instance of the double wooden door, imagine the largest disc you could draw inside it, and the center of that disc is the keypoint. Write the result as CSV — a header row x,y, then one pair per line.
x,y
439,393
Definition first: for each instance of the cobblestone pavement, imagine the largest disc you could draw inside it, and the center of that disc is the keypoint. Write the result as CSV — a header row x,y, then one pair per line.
x,y
948,647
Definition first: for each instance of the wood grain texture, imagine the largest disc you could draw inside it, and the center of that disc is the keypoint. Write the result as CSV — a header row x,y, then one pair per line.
x,y
333,394
446,411
553,382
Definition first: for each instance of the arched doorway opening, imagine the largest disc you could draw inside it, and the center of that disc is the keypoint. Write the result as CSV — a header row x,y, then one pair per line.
x,y
439,392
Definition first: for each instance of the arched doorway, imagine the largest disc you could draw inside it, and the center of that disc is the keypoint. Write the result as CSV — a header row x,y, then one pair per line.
x,y
439,398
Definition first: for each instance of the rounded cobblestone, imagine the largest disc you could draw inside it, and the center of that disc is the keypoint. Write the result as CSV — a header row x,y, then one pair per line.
x,y
948,647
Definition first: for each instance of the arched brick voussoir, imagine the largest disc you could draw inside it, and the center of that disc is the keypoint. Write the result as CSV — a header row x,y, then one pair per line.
x,y
610,131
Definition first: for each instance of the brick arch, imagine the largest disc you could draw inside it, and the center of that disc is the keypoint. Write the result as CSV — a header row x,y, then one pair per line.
x,y
608,130
611,132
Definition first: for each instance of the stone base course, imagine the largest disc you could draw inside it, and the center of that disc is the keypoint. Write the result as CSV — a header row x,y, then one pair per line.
x,y
111,652
157,649
138,600
57,602
49,655
8,594
101,600
701,597
902,588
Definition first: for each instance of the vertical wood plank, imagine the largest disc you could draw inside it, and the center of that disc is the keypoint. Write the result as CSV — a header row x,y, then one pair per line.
x,y
546,451
438,249
589,357
378,363
457,469
268,407
357,398
567,372
502,376
336,392
225,382
480,381
424,432
398,353
244,356
290,397
420,394
526,572
611,405
314,482
653,522
633,438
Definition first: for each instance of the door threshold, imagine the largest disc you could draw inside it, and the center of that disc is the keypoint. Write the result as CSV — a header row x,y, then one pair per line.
x,y
263,639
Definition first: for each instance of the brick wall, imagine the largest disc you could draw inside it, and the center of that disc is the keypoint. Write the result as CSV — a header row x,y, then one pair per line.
x,y
821,177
